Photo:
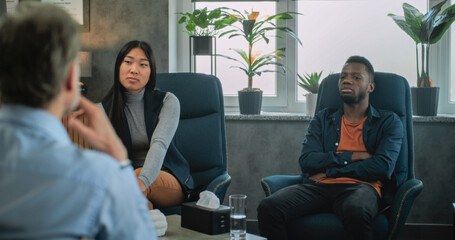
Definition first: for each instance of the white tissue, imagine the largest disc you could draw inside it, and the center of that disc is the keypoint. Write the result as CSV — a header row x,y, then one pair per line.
x,y
159,220
209,200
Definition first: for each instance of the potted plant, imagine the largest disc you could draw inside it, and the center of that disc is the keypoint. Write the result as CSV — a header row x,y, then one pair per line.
x,y
425,30
310,83
253,62
202,25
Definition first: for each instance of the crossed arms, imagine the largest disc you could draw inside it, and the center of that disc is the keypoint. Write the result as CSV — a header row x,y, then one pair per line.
x,y
383,140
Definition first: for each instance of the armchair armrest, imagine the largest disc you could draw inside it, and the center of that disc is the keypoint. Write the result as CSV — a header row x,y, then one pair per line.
x,y
401,205
219,185
274,183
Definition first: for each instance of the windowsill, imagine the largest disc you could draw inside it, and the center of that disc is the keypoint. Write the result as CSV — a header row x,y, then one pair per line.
x,y
440,118
281,116
269,116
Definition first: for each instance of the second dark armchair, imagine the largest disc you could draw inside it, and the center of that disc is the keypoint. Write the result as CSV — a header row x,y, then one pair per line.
x,y
200,136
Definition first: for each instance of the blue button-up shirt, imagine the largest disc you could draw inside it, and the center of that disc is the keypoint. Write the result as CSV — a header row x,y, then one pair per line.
x,y
382,136
52,189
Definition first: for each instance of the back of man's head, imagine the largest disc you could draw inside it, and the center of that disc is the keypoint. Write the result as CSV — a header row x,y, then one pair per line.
x,y
38,44
364,61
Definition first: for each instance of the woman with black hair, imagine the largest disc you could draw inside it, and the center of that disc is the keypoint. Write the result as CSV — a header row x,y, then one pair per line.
x,y
146,120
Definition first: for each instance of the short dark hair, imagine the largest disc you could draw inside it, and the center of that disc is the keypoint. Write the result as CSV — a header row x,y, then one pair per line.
x,y
364,61
116,94
38,44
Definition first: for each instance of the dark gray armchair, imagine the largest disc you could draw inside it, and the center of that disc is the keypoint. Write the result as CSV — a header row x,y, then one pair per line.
x,y
200,136
391,93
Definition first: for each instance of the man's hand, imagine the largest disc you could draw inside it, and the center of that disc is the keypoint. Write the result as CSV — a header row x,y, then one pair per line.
x,y
359,156
99,132
318,176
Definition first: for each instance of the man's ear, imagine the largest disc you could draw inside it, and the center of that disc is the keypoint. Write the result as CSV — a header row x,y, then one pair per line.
x,y
371,87
72,76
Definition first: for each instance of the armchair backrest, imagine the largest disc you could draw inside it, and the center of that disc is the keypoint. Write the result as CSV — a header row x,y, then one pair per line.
x,y
391,93
200,136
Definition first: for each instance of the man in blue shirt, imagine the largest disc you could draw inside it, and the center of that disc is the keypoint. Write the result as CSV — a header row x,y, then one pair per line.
x,y
347,154
50,188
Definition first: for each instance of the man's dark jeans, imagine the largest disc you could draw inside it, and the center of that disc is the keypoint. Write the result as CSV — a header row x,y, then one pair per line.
x,y
355,204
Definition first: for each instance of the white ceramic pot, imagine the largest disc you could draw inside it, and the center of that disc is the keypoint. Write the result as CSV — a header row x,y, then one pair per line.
x,y
311,99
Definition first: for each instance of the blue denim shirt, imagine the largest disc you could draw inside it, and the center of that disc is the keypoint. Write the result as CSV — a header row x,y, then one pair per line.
x,y
382,136
52,189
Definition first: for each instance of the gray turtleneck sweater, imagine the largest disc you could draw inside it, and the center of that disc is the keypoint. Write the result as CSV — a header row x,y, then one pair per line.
x,y
151,154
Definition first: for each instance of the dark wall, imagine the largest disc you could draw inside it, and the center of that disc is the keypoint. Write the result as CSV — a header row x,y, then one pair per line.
x,y
115,22
256,149
262,148
2,8
434,148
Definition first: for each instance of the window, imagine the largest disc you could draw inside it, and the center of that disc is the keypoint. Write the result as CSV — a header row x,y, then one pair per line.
x,y
442,57
331,31
354,28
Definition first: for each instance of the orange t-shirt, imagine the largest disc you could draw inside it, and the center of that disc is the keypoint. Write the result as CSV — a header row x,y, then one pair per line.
x,y
351,139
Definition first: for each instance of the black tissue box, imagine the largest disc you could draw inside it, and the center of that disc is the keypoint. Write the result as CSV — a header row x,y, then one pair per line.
x,y
205,220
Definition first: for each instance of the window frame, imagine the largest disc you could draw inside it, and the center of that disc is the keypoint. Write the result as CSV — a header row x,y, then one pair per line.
x,y
441,58
440,66
181,64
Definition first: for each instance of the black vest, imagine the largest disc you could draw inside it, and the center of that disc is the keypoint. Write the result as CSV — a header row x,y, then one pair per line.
x,y
174,161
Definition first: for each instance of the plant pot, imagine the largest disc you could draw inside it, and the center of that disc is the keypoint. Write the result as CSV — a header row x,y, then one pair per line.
x,y
425,101
311,99
250,101
202,45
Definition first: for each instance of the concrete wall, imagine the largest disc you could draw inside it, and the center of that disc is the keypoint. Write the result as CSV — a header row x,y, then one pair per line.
x,y
261,148
434,148
2,8
112,24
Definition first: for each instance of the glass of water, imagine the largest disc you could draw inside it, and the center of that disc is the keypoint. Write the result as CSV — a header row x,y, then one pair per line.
x,y
237,203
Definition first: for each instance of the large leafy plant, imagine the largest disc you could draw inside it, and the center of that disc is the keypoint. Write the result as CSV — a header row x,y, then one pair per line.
x,y
425,29
202,22
254,30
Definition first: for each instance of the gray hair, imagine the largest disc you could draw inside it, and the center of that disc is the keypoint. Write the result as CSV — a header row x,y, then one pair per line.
x,y
38,44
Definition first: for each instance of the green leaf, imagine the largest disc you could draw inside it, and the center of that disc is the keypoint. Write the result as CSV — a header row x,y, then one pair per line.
x,y
428,22
401,22
285,15
410,12
238,13
235,35
227,32
290,33
442,24
243,69
182,20
265,38
243,55
214,14
266,64
190,27
413,17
